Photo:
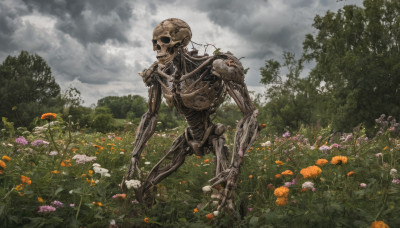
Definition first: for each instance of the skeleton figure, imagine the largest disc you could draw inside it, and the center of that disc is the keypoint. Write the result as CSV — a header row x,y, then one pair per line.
x,y
196,86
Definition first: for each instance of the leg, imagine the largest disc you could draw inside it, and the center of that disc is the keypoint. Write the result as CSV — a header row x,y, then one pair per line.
x,y
176,154
221,151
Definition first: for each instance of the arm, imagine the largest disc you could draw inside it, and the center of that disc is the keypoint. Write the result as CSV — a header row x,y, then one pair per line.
x,y
231,72
147,124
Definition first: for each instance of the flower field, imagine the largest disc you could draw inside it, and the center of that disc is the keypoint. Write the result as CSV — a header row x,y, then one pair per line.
x,y
55,177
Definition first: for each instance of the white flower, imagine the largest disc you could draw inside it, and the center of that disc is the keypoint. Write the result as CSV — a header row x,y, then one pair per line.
x,y
308,184
215,203
96,165
71,191
53,153
267,144
206,188
121,152
112,222
102,171
133,184
393,173
82,159
147,163
216,213
107,175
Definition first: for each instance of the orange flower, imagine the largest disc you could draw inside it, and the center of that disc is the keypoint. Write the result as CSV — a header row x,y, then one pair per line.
x,y
304,190
350,173
210,216
311,172
339,160
98,204
281,201
250,176
118,138
195,210
287,173
279,162
48,116
3,164
385,148
1,172
40,200
207,160
55,171
379,224
74,149
66,163
281,192
263,126
90,172
5,157
25,180
321,162
278,175
146,220
19,187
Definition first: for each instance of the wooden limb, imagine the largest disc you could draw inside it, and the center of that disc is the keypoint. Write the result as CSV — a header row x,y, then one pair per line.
x,y
179,151
145,131
221,154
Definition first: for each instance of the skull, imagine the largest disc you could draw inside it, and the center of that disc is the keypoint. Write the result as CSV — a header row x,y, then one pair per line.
x,y
168,36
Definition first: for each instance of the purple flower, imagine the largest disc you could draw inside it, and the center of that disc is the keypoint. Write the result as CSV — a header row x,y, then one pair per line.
x,y
293,181
324,148
335,145
350,136
396,181
39,142
21,140
46,208
286,135
57,204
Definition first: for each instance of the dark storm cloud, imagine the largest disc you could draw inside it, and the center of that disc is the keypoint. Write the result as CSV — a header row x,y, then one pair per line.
x,y
94,21
9,22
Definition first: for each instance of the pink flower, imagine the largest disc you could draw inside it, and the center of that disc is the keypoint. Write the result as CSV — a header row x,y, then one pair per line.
x,y
396,181
286,135
363,185
46,208
21,140
378,154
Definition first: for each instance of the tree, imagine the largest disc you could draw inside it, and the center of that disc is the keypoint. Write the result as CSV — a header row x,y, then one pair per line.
x,y
357,57
290,98
27,89
131,106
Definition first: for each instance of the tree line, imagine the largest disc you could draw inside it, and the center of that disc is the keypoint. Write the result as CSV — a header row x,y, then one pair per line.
x,y
355,78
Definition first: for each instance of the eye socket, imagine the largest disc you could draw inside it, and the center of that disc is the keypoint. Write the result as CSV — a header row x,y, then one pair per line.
x,y
165,39
154,42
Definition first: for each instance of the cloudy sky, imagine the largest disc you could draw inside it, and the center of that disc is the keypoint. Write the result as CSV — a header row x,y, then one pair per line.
x,y
99,46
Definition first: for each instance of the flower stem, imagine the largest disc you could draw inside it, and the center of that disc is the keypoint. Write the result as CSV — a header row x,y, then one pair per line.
x,y
79,208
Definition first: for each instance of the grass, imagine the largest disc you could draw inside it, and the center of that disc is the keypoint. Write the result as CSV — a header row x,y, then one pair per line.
x,y
333,198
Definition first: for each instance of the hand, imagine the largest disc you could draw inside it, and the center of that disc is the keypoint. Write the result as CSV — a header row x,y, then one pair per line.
x,y
133,166
229,177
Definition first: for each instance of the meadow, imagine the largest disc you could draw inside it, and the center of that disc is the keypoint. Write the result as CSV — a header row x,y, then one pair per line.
x,y
54,176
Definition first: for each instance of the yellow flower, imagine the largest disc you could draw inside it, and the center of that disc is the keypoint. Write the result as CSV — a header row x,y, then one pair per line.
x,y
40,199
281,192
281,201
98,204
3,164
339,160
278,162
311,172
5,157
350,173
385,148
146,220
379,224
90,172
195,210
287,173
321,162
48,116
